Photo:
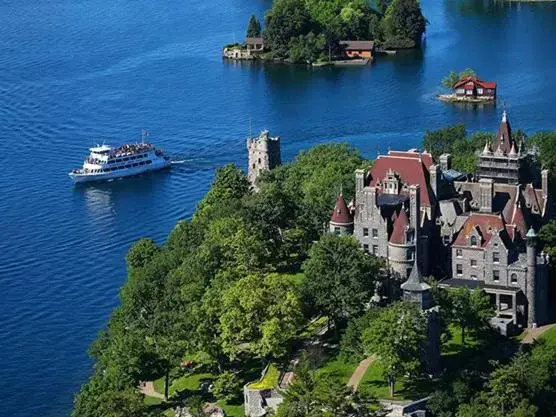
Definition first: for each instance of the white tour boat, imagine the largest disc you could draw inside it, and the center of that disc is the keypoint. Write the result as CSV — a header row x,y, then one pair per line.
x,y
106,163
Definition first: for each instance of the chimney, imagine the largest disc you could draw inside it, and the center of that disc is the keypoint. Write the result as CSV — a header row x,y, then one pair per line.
x,y
445,161
434,171
415,208
544,176
486,193
359,180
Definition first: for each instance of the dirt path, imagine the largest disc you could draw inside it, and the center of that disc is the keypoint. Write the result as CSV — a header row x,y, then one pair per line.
x,y
359,373
147,388
535,333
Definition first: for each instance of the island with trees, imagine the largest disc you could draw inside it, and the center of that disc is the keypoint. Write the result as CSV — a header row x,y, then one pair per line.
x,y
316,31
252,289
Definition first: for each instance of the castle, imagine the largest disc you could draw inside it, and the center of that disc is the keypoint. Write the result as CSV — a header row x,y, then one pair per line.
x,y
471,232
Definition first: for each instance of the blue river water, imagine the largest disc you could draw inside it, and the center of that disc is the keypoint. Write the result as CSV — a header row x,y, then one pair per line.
x,y
75,73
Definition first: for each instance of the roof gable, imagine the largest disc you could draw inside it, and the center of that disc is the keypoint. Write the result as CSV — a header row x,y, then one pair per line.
x,y
412,168
484,225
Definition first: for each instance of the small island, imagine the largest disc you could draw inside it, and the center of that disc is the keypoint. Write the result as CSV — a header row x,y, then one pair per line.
x,y
467,87
321,32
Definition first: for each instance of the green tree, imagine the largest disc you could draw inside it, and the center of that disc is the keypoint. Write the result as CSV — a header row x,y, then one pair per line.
x,y
351,345
307,49
450,80
441,141
404,24
453,77
286,20
261,314
229,185
397,337
141,253
469,309
100,399
254,27
226,386
339,278
317,395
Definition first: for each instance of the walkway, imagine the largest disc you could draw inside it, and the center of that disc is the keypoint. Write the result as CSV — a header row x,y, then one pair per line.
x,y
147,388
533,334
359,373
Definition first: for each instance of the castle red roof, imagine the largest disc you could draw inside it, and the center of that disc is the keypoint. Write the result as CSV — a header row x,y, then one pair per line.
x,y
411,166
341,214
488,225
518,220
399,235
474,81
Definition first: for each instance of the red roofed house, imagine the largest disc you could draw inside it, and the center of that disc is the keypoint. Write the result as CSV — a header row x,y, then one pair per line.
x,y
358,49
473,87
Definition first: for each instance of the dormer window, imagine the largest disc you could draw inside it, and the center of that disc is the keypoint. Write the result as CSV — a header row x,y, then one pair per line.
x,y
473,241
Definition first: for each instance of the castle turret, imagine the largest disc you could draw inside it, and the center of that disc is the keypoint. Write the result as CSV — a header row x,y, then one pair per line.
x,y
264,155
531,278
445,161
417,291
341,222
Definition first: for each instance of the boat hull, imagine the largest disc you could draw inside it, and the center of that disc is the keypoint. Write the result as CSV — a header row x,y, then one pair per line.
x,y
128,172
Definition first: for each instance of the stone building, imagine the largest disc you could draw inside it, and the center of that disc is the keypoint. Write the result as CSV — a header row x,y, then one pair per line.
x,y
476,232
263,155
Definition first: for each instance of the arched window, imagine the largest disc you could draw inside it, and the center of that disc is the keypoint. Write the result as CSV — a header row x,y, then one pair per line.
x,y
513,278
473,240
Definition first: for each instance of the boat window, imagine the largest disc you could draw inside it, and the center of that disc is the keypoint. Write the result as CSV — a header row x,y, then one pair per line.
x,y
135,164
142,163
118,160
125,159
149,161
132,157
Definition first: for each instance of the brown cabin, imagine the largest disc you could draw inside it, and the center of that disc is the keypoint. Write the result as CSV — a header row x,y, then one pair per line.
x,y
358,49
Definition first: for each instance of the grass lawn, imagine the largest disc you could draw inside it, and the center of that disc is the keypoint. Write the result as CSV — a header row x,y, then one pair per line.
x,y
152,400
269,380
189,382
550,336
235,410
337,368
375,384
159,385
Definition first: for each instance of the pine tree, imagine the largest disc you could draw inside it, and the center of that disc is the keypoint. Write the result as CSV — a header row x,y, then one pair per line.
x,y
253,28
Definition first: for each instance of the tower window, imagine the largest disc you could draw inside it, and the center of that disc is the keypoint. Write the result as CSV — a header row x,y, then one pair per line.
x,y
337,230
473,240
375,233
459,253
473,263
259,160
366,248
365,231
513,278
409,256
459,269
496,257
375,250
496,275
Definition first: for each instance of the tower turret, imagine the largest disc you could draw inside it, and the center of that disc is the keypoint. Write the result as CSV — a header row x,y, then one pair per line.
x,y
531,278
264,155
341,222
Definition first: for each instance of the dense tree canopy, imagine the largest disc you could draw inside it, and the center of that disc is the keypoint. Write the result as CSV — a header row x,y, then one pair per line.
x,y
397,336
216,290
340,278
308,31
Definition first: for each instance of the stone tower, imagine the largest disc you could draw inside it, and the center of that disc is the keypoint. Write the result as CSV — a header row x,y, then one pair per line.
x,y
531,278
417,291
341,222
264,155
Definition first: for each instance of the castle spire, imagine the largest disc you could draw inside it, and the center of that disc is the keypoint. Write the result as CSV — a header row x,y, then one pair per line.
x,y
486,150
